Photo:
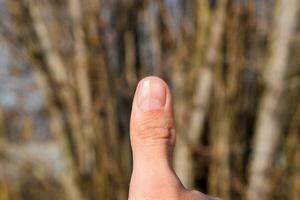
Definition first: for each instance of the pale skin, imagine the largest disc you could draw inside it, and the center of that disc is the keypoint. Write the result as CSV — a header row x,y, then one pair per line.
x,y
152,135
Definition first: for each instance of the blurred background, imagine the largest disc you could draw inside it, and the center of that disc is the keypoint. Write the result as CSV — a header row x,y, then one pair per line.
x,y
68,70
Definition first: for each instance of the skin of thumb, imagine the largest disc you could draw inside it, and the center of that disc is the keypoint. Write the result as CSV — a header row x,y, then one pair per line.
x,y
152,130
152,137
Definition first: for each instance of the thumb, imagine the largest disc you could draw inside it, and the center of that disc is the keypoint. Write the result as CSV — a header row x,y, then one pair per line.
x,y
152,135
152,130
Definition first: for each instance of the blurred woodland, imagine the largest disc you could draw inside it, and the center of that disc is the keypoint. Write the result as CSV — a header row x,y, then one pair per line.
x,y
68,70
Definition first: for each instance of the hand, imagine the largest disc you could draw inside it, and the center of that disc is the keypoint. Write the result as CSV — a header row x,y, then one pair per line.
x,y
152,136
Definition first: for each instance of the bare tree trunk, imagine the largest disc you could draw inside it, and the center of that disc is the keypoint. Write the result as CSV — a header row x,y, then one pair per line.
x,y
81,73
269,127
295,178
200,104
222,121
293,162
2,126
